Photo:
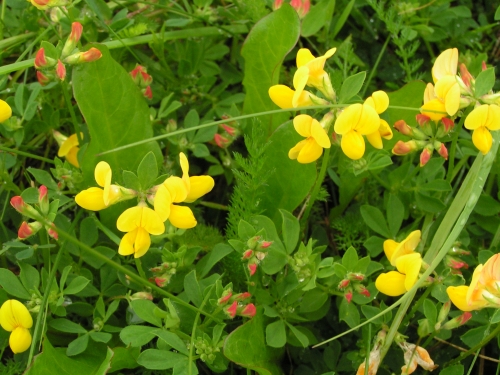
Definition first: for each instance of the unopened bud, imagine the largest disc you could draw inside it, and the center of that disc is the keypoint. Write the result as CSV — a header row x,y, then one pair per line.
x,y
73,39
92,54
252,242
148,93
402,127
42,61
356,276
447,125
52,232
22,207
348,296
221,141
27,230
458,321
361,289
277,4
467,78
247,254
252,268
404,148
265,244
301,6
141,77
161,281
242,296
43,199
226,295
42,78
171,125
443,151
344,283
443,314
230,130
426,155
484,66
60,70
141,295
455,263
422,119
232,309
249,311
260,255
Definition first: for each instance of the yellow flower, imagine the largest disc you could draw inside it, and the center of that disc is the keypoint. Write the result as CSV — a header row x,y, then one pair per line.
x,y
96,199
441,100
316,75
138,222
445,65
176,190
5,111
15,318
68,147
380,102
311,148
393,250
482,119
284,97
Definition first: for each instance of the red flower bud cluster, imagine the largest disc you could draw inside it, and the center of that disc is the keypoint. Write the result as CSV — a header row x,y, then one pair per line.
x,y
142,79
227,134
256,253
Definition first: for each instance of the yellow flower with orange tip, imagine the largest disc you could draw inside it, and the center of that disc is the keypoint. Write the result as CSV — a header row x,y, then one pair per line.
x,y
484,289
482,119
445,65
5,111
15,318
96,199
380,102
177,190
139,222
316,75
311,148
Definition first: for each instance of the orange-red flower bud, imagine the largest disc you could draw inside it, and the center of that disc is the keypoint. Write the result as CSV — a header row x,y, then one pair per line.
x,y
348,296
52,232
443,151
226,295
402,127
27,230
42,78
221,141
465,75
249,311
230,130
252,268
60,70
231,310
148,93
43,199
344,283
247,254
426,155
404,148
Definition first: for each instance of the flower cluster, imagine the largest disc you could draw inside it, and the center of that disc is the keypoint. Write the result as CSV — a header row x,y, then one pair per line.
x,y
233,304
227,134
353,282
15,318
401,255
301,6
140,221
163,273
142,79
484,289
43,209
50,64
256,252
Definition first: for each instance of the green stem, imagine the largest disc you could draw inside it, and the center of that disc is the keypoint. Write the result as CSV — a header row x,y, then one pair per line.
x,y
27,154
138,265
319,181
483,342
415,307
216,206
451,158
76,126
473,362
375,66
45,298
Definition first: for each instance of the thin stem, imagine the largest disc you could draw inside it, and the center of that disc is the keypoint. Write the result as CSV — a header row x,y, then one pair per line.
x,y
451,158
138,265
317,186
76,126
483,342
375,66
473,362
27,154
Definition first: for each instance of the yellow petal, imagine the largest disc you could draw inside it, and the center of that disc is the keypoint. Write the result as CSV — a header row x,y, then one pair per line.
x,y
477,118
378,101
162,202
348,119
20,340
375,140
107,189
353,145
390,247
72,156
185,169
68,144
101,172
177,188
319,134
385,130
369,121
410,266
303,57
182,217
407,246
302,125
446,64
434,109
493,121
474,284
299,83
490,273
151,222
310,152
429,93
316,67
457,295
200,185
295,150
130,219
142,242
127,243
447,89
281,95
5,111
482,139
14,314
391,283
91,199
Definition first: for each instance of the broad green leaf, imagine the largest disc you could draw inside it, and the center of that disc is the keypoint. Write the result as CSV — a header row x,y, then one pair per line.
x,y
290,229
100,336
267,44
374,218
289,181
313,300
474,336
430,311
88,231
436,185
246,346
455,369
496,317
65,325
304,341
12,285
245,230
147,171
319,15
410,95
349,313
124,358
100,8
145,310
78,345
116,114
137,335
173,340
154,359
276,334
395,213
219,251
484,82
76,285
350,259
43,178
276,257
192,288
351,86
29,276
429,204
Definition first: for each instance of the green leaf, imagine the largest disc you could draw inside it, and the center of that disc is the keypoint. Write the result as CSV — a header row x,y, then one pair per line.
x,y
43,178
124,358
137,335
76,285
313,300
154,359
350,258
410,95
246,346
276,334
319,15
291,230
351,86
192,288
496,18
342,19
173,340
12,285
29,276
453,370
395,213
484,82
78,345
88,231
374,218
219,251
474,336
147,171
496,317
100,8
304,341
116,114
349,313
267,44
429,204
487,206
245,230
289,182
100,336
65,325
131,181
436,185
145,310
430,311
